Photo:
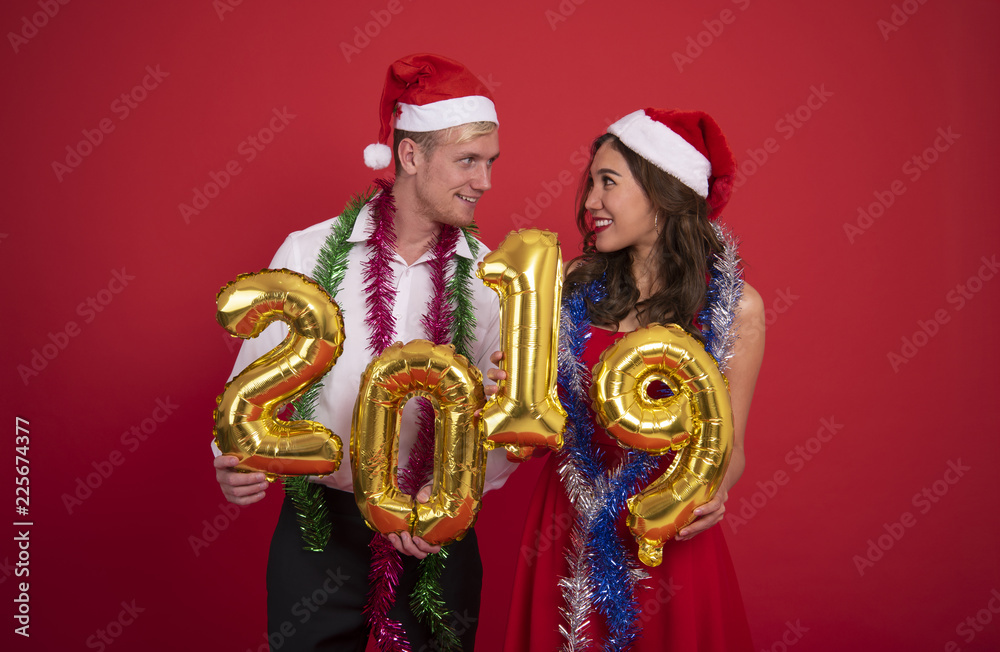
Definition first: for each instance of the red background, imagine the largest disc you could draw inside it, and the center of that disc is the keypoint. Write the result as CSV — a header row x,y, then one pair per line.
x,y
837,308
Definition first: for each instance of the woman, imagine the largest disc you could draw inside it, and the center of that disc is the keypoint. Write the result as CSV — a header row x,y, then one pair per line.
x,y
655,182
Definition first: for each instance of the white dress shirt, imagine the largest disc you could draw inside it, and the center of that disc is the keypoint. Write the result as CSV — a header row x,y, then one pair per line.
x,y
413,291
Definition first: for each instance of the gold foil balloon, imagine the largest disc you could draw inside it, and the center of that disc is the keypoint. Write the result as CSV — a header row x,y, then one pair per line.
x,y
697,422
245,423
526,271
454,387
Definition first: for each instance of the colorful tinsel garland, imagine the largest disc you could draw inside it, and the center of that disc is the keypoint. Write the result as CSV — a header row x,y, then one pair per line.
x,y
386,565
601,576
450,318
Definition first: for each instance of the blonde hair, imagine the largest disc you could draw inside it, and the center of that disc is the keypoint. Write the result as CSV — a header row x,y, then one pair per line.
x,y
428,141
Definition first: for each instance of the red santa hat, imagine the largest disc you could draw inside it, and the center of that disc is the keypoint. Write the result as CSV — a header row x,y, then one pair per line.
x,y
685,144
427,92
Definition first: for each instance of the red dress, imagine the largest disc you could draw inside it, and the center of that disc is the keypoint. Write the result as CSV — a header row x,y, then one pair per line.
x,y
690,602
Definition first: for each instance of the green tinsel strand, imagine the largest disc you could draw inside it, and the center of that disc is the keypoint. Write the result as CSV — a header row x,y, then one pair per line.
x,y
310,510
331,266
428,605
425,599
463,321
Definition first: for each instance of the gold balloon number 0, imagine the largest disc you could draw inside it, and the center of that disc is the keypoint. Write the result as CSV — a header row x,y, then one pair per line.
x,y
245,417
696,421
455,388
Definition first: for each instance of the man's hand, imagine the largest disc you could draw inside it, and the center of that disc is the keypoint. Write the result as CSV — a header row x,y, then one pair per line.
x,y
495,374
413,546
239,488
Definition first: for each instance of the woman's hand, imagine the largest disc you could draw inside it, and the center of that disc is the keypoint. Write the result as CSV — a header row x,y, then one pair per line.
x,y
706,516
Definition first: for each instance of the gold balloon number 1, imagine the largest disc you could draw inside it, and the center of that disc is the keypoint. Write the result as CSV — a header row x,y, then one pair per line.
x,y
526,271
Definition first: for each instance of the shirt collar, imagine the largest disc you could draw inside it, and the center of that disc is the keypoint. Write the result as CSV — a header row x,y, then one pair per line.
x,y
363,225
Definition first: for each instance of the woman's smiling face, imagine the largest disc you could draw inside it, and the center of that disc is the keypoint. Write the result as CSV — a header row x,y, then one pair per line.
x,y
622,214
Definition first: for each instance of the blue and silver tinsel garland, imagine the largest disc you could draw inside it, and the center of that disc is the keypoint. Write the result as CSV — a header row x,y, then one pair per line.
x,y
725,289
601,575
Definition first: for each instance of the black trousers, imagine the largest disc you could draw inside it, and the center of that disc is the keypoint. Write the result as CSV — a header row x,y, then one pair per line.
x,y
315,600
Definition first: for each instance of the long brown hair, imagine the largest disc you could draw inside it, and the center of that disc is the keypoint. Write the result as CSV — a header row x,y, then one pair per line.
x,y
681,255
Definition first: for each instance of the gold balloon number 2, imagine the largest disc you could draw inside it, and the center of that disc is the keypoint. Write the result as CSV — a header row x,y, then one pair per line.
x,y
245,417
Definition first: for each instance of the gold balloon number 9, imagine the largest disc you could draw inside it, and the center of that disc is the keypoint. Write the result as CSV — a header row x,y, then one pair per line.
x,y
245,421
696,421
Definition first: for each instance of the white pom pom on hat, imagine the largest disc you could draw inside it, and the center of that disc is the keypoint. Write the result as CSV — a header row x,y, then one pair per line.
x,y
428,92
378,156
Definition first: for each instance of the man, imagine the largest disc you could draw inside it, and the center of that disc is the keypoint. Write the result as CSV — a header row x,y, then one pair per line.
x,y
445,143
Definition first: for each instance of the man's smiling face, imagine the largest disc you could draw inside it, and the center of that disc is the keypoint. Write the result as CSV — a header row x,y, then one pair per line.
x,y
454,177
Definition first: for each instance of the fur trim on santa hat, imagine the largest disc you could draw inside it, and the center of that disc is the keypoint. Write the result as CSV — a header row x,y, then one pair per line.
x,y
688,145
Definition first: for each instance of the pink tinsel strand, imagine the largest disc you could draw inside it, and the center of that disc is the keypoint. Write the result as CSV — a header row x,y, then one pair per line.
x,y
383,578
386,566
418,470
437,325
378,271
437,321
